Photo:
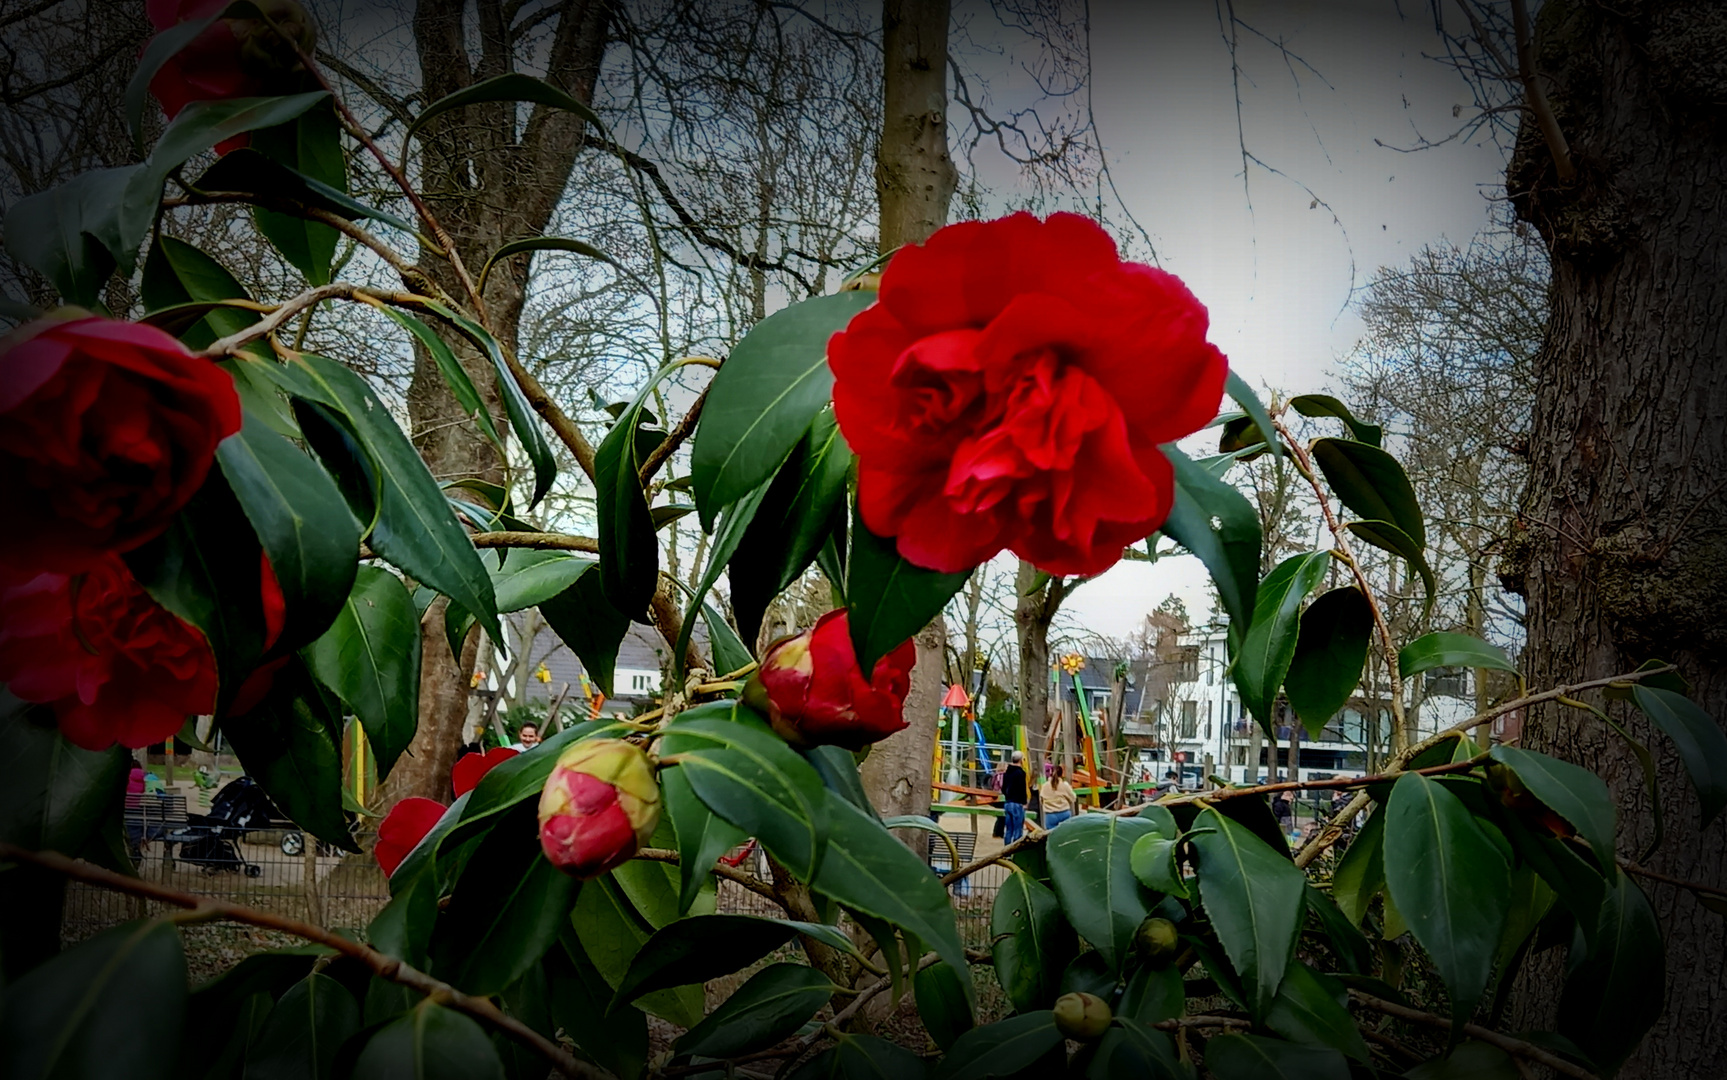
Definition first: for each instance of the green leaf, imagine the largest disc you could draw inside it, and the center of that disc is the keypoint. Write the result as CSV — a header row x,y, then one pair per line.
x,y
248,171
1090,862
185,289
1001,1049
1469,1061
1575,794
311,145
1153,995
1371,483
415,528
1574,878
862,1057
58,794
157,51
579,1000
1312,1008
750,777
889,598
510,87
866,869
98,1008
1033,943
800,509
197,128
1269,645
1132,1048
522,417
763,398
506,911
455,375
943,1002
702,947
1230,550
629,546
1088,973
430,1043
1449,881
729,652
1388,537
1326,405
302,1034
1254,898
1329,653
1349,943
773,1004
1236,387
541,243
70,232
703,836
292,745
370,656
528,578
1153,863
839,771
613,927
1615,995
1254,1057
302,523
1701,745
1441,649
727,537
585,620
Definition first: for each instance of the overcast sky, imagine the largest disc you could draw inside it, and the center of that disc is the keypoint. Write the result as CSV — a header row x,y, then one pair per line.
x,y
1277,280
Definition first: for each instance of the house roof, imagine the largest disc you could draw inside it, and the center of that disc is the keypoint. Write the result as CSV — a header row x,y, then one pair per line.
x,y
642,649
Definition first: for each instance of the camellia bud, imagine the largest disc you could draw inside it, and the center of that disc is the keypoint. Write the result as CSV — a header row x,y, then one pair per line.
x,y
814,694
1156,941
261,40
599,806
1082,1016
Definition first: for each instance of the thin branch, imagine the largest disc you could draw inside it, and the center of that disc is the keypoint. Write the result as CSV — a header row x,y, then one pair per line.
x,y
1538,102
337,290
1515,1047
536,541
1694,886
730,873
675,438
384,966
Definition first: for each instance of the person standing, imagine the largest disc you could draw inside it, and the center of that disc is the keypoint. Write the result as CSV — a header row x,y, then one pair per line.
x,y
1058,798
1014,795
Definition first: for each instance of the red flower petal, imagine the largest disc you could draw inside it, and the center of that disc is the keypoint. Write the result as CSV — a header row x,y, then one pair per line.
x,y
471,767
402,829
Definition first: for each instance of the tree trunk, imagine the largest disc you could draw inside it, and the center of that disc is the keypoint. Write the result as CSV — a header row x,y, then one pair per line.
x,y
1031,626
1622,553
486,186
915,179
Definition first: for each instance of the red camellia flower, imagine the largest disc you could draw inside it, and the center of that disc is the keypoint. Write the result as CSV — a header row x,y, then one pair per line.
x,y
1010,390
470,767
599,806
816,695
106,430
231,58
403,827
116,666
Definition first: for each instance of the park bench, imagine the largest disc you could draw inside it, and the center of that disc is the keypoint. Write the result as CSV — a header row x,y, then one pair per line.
x,y
152,816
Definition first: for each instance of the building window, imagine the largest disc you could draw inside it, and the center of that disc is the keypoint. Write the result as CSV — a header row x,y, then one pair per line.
x,y
1189,719
1187,665
1448,682
641,682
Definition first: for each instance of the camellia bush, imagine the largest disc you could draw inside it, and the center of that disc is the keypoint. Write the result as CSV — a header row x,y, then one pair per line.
x,y
208,521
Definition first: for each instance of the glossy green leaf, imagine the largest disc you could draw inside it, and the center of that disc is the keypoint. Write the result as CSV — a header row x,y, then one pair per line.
x,y
1330,650
729,652
251,172
160,49
1269,645
730,533
1371,483
750,777
98,1008
311,145
1153,995
629,546
862,1057
795,517
292,745
774,1003
763,398
868,870
703,836
541,243
1615,995
178,275
1090,863
70,232
415,528
1326,405
579,1000
1255,1057
1153,863
506,911
58,794
528,578
1088,973
1449,881
370,656
1134,1048
1468,1061
1312,1009
585,620
195,129
1230,549
889,598
943,1002
1567,869
612,930
430,1043
1032,942
1441,649
701,947
1388,537
1001,1049
1353,952
313,542
455,375
302,1034
510,87
1236,387
1253,895
1698,738
839,771
1574,793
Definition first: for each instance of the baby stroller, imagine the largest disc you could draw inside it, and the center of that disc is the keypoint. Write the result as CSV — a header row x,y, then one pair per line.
x,y
210,840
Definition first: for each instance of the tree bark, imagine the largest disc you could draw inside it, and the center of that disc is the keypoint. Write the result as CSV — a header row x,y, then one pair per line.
x,y
1034,610
486,186
1622,552
915,179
